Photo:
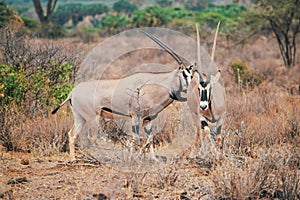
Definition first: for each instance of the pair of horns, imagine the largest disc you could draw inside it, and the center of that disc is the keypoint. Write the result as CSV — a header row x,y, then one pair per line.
x,y
179,58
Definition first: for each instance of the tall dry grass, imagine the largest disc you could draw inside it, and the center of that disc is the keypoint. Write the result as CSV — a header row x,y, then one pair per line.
x,y
43,135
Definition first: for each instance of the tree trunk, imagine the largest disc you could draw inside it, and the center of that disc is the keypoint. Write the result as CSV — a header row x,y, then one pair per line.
x,y
44,17
287,45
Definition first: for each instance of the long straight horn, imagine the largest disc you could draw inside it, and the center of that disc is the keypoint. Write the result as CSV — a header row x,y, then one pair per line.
x,y
198,46
165,47
215,41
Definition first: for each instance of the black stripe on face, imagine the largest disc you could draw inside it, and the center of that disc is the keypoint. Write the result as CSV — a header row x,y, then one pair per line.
x,y
184,74
187,72
204,95
203,84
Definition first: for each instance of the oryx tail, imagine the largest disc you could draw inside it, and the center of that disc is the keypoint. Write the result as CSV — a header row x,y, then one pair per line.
x,y
63,103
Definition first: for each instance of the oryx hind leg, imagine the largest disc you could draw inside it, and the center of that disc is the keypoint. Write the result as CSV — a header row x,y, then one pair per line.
x,y
93,129
75,131
71,137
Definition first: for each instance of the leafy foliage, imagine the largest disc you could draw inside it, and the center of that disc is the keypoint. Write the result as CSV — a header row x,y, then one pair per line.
x,y
37,90
6,15
151,16
124,6
164,3
197,4
113,23
33,76
76,12
229,16
244,76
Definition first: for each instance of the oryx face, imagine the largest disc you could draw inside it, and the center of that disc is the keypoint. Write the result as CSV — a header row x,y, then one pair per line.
x,y
206,82
187,75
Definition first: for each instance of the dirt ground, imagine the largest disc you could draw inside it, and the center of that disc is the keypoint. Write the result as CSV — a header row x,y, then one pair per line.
x,y
24,176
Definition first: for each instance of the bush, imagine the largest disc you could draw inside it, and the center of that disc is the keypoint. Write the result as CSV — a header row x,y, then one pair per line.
x,y
244,76
36,73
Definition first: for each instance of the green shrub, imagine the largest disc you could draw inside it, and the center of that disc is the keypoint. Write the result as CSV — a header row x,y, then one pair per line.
x,y
13,85
34,90
244,76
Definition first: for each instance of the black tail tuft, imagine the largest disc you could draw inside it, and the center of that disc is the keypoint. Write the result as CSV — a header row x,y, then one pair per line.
x,y
55,110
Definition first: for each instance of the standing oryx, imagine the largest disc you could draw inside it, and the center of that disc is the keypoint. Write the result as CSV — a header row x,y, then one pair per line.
x,y
206,99
141,97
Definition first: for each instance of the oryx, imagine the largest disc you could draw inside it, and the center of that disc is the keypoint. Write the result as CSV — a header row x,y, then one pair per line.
x,y
140,97
206,99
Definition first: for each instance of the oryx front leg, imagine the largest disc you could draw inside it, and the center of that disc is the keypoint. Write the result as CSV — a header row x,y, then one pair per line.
x,y
204,126
136,128
148,130
134,137
201,124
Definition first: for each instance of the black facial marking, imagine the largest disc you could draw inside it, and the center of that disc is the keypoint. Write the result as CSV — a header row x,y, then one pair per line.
x,y
189,68
184,74
203,84
203,95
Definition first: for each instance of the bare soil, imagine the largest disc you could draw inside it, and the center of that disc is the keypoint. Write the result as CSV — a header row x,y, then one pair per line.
x,y
24,176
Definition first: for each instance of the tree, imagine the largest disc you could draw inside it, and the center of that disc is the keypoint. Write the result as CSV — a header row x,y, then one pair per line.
x,y
164,3
44,17
283,17
196,4
76,12
153,16
124,6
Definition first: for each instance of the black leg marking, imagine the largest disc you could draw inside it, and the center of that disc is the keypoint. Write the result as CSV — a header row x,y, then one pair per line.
x,y
136,129
203,124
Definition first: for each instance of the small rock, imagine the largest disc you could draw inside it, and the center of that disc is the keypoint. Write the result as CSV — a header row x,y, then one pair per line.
x,y
100,196
24,161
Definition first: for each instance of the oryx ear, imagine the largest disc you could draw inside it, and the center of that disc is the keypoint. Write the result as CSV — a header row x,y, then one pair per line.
x,y
195,79
215,79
